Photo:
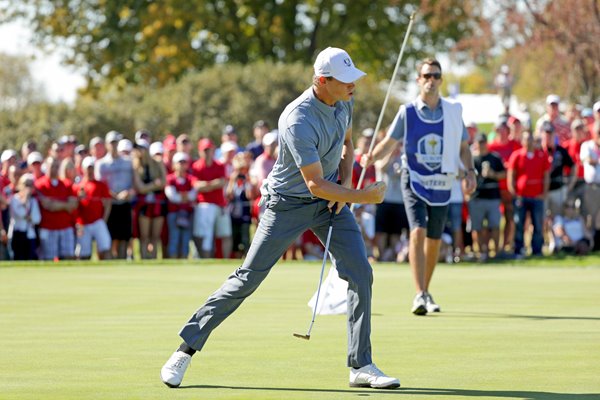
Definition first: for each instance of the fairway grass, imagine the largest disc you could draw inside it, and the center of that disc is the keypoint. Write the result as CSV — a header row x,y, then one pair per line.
x,y
104,331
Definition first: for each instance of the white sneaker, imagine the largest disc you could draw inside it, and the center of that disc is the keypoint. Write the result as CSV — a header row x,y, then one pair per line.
x,y
430,304
371,376
420,304
172,372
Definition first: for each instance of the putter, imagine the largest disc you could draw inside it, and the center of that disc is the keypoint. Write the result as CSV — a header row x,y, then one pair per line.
x,y
331,217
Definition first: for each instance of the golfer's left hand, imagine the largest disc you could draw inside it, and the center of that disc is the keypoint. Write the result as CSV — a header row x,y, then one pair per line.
x,y
338,206
469,184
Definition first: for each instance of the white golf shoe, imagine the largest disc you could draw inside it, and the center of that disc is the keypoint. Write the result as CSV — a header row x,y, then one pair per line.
x,y
430,304
420,304
373,377
172,372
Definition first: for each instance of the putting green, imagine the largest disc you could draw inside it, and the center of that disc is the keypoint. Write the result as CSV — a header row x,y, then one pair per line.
x,y
102,331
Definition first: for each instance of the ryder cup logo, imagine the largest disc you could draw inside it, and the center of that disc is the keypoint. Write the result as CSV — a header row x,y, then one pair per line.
x,y
348,62
429,151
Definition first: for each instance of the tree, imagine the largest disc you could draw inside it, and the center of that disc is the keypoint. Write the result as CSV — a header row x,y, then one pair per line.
x,y
157,42
17,87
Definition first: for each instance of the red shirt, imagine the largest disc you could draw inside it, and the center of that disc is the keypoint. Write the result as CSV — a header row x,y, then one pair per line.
x,y
370,174
529,169
574,147
184,184
207,173
504,150
90,194
54,220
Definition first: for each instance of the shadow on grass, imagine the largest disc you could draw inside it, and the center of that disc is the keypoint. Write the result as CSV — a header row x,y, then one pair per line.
x,y
443,393
520,316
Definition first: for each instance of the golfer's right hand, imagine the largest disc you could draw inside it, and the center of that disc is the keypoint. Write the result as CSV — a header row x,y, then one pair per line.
x,y
375,192
366,160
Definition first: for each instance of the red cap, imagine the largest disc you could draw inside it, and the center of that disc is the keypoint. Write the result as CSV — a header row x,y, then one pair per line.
x,y
205,143
512,120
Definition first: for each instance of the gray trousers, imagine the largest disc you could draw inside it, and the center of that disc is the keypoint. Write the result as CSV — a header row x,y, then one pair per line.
x,y
284,220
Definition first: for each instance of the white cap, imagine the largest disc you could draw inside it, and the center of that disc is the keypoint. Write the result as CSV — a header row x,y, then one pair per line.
x,y
552,99
269,138
338,64
180,156
157,148
368,132
113,136
504,69
96,140
88,162
142,143
228,146
7,154
34,157
596,107
124,145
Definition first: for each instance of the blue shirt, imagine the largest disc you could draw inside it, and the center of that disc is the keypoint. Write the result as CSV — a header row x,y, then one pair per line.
x,y
309,131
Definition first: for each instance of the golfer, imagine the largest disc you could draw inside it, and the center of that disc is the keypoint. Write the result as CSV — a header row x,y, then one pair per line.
x,y
315,150
436,151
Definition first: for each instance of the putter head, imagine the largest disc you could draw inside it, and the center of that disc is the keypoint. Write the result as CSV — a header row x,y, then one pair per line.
x,y
305,337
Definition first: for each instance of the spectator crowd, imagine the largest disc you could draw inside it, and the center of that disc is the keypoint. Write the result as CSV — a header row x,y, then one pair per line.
x,y
538,189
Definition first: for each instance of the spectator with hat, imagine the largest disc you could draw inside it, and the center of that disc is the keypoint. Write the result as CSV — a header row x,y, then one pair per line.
x,y
211,218
117,172
504,146
553,116
92,214
262,166
124,148
34,164
528,181
579,135
484,203
97,147
590,157
182,196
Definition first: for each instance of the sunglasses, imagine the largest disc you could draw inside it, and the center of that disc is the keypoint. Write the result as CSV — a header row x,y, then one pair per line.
x,y
434,75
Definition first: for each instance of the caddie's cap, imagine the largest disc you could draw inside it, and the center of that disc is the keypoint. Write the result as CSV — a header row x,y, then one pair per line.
x,y
334,62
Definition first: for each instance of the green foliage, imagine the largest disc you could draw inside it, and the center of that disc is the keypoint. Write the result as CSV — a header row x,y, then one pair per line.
x,y
157,42
200,104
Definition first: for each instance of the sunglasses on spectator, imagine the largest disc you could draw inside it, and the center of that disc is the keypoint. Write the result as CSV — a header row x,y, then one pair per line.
x,y
434,75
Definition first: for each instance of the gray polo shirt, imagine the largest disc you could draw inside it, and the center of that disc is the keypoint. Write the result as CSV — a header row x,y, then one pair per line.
x,y
398,126
117,173
309,131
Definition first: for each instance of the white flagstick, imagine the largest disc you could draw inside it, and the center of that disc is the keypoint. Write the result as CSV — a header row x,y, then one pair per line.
x,y
385,101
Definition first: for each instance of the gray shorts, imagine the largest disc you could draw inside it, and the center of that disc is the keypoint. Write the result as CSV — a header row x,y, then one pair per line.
x,y
421,214
481,210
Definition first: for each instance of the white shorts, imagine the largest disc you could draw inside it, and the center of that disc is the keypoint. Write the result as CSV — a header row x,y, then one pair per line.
x,y
97,231
57,243
211,221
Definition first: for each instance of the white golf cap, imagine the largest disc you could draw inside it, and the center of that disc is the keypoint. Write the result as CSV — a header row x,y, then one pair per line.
x,y
368,132
338,64
96,140
269,138
596,107
7,155
88,162
157,148
180,156
553,99
228,146
34,157
113,136
124,145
